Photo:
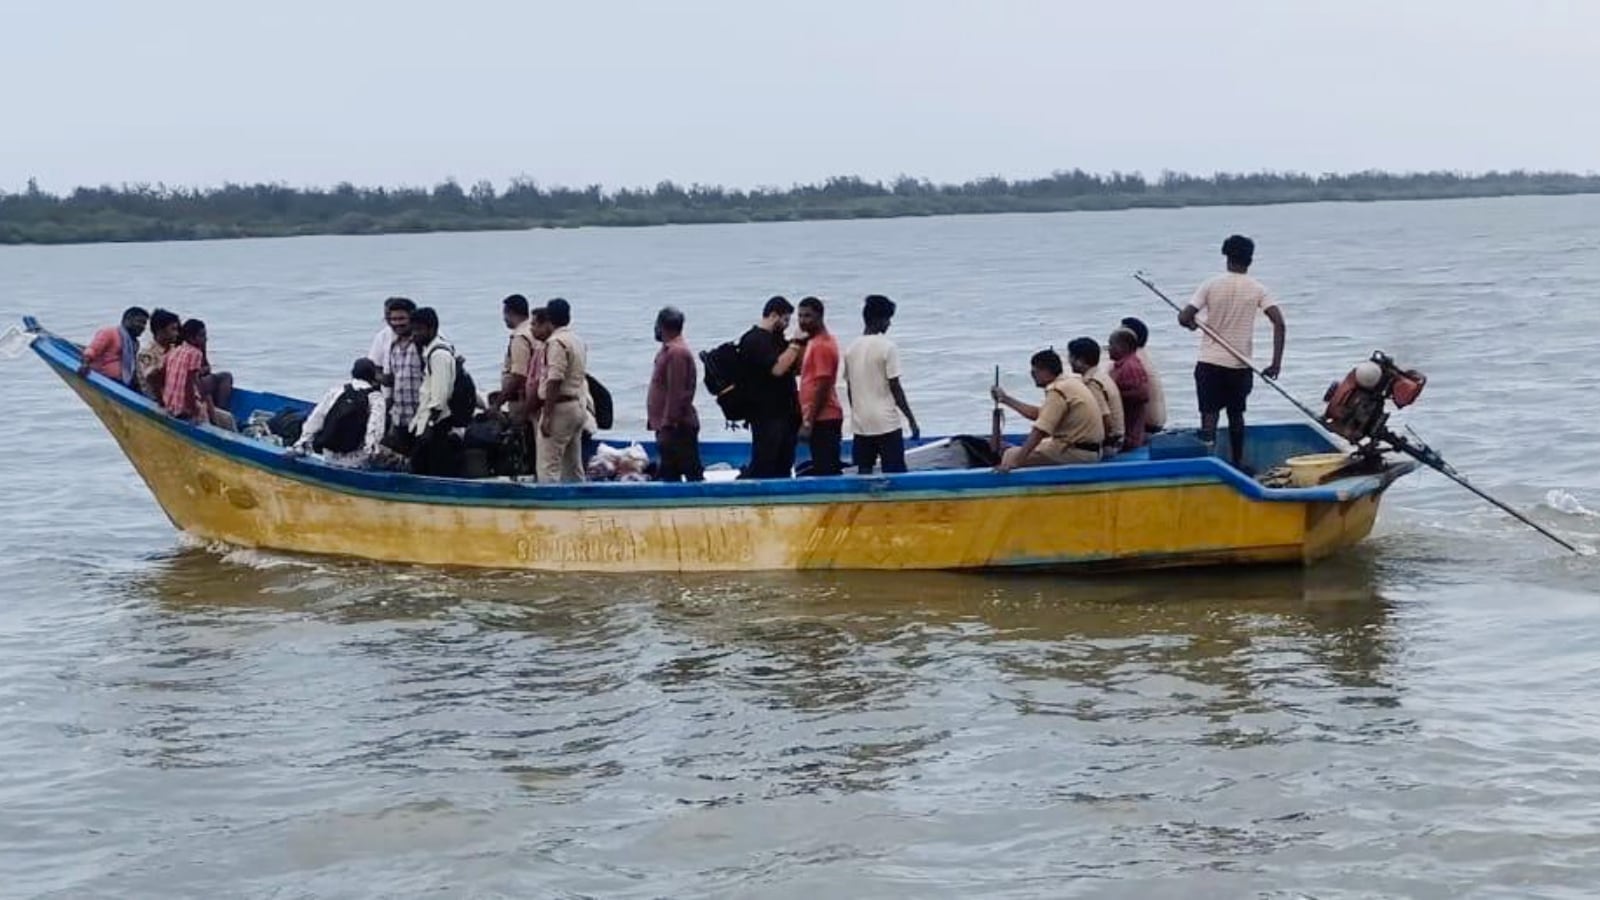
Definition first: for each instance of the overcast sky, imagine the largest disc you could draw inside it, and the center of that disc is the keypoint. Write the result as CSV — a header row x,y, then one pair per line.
x,y
763,92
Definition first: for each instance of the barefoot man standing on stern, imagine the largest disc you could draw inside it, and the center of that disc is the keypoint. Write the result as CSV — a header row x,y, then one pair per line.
x,y
1223,381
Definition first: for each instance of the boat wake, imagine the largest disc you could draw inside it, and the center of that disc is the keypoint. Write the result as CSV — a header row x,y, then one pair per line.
x,y
1563,502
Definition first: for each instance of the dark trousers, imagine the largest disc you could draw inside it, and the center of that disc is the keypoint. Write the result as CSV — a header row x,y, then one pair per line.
x,y
772,445
825,441
890,449
679,449
437,453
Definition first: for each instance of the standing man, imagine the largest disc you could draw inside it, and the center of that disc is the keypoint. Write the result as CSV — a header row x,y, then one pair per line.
x,y
1223,381
769,362
512,395
384,339
872,381
566,375
821,416
669,403
539,328
401,367
1083,356
114,349
1067,427
433,453
1155,411
519,353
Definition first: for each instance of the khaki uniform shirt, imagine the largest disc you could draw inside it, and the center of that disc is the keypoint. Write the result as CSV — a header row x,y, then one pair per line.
x,y
1109,397
566,360
1070,415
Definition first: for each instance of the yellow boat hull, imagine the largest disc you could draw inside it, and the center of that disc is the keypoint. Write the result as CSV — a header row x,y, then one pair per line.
x,y
218,496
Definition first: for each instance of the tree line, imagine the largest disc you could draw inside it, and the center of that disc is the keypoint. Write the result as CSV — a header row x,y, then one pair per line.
x,y
143,212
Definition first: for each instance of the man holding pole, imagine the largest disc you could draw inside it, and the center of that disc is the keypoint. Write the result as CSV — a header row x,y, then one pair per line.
x,y
1223,375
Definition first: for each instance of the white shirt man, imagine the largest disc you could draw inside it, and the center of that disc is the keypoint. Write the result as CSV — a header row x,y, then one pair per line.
x,y
438,383
376,425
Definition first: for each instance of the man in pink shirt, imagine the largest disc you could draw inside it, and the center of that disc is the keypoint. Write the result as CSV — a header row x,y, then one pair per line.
x,y
669,403
1230,302
114,349
821,416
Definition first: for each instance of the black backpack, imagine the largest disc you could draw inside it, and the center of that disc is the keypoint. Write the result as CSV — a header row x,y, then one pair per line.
x,y
464,396
344,429
603,411
287,424
723,376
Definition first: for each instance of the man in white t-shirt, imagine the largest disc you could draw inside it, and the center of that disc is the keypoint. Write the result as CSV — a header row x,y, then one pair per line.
x,y
872,382
1223,380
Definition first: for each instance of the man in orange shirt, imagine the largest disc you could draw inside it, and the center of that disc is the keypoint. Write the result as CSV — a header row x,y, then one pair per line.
x,y
821,416
114,349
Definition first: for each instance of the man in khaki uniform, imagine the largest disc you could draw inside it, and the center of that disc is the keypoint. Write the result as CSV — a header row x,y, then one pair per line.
x,y
1083,357
1067,427
566,379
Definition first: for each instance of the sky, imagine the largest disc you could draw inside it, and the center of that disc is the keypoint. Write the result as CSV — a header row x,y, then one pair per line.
x,y
770,92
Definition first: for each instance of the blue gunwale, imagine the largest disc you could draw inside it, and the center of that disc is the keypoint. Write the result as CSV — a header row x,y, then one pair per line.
x,y
64,356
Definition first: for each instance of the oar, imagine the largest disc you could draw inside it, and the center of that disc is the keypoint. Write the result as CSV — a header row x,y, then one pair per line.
x,y
1423,454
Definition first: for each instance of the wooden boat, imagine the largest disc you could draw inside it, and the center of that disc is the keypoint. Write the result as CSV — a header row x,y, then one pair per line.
x,y
1137,512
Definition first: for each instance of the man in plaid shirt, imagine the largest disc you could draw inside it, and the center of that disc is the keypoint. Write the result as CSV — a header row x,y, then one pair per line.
x,y
187,392
404,376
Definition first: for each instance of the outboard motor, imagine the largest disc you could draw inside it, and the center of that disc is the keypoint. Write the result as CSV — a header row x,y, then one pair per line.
x,y
1357,406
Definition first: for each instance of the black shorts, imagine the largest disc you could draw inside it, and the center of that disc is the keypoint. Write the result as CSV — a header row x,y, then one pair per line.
x,y
1221,388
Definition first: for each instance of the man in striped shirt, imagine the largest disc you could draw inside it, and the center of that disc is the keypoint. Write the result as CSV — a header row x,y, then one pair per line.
x,y
1222,379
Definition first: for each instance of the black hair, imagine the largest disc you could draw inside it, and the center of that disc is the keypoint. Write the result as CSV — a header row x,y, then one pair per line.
x,y
813,304
364,369
877,306
560,312
1239,249
1086,349
425,317
777,306
132,311
161,318
670,319
1048,360
394,303
539,314
192,329
1141,331
515,304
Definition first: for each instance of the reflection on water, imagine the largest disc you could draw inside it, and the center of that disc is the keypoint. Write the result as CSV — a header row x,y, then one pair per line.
x,y
797,682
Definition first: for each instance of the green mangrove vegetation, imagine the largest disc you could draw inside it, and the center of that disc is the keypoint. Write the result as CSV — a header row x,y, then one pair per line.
x,y
142,212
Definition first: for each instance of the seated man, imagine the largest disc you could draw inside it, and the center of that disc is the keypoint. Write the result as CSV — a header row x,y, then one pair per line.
x,y
1134,386
349,423
165,334
1083,358
1067,427
190,392
114,349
